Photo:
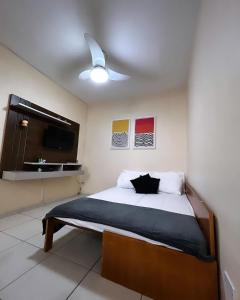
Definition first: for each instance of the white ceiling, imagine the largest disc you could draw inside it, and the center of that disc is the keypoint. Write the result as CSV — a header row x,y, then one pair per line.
x,y
150,40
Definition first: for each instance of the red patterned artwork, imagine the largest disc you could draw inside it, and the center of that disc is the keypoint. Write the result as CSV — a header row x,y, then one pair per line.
x,y
144,133
144,125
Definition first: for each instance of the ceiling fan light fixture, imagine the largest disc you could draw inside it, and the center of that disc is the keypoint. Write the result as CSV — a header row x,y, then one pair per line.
x,y
99,75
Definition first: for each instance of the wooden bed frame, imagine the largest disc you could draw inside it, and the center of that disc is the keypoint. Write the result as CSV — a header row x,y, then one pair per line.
x,y
156,271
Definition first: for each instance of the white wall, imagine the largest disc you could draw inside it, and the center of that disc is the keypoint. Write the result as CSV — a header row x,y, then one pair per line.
x,y
214,124
18,77
103,165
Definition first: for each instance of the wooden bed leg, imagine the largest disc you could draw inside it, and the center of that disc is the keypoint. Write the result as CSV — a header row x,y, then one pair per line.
x,y
49,235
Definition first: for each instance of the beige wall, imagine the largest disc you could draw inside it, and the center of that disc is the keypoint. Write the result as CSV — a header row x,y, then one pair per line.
x,y
17,77
214,124
103,165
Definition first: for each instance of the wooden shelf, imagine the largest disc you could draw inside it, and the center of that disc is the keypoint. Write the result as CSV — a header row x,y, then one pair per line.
x,y
28,175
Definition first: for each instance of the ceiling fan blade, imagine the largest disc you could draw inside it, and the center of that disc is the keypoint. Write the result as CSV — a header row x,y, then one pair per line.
x,y
98,58
117,76
85,74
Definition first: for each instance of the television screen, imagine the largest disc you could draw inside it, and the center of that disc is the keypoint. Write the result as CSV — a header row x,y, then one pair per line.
x,y
58,138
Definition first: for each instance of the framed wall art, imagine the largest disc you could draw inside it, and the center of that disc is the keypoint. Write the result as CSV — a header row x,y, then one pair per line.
x,y
120,134
144,133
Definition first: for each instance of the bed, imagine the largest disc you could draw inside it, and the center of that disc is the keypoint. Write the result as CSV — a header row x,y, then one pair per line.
x,y
150,267
168,202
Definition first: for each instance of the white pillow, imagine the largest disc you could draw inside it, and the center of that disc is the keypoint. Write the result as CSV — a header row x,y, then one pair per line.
x,y
125,177
170,182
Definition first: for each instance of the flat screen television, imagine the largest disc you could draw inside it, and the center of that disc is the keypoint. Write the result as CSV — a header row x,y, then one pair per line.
x,y
58,138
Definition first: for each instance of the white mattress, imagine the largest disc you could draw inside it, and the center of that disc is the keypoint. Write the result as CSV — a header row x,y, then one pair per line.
x,y
169,202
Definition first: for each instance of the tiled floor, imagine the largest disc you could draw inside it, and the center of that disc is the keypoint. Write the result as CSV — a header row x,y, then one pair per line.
x,y
71,270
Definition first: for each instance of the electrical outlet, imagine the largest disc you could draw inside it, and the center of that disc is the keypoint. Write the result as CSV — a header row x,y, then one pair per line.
x,y
230,291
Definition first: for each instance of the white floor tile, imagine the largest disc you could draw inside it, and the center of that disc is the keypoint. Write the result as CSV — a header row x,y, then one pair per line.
x,y
84,249
53,279
51,205
95,287
62,201
7,241
26,272
38,213
14,220
59,238
17,260
26,230
98,267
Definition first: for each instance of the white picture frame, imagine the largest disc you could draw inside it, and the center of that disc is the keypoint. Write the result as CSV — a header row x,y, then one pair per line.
x,y
146,137
125,136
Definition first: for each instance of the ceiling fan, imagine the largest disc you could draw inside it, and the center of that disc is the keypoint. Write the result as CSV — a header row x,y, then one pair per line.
x,y
99,72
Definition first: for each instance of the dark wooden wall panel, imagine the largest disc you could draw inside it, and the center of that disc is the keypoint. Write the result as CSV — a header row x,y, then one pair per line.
x,y
22,144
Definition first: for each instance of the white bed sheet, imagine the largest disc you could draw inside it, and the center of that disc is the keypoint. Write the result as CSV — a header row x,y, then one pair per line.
x,y
168,202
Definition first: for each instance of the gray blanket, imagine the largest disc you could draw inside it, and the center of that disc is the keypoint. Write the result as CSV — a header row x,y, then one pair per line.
x,y
177,230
